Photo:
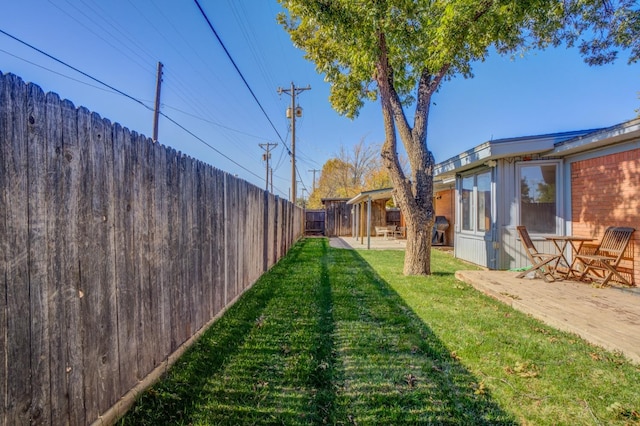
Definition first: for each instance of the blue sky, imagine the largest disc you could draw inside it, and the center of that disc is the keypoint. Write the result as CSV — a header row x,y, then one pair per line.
x,y
121,41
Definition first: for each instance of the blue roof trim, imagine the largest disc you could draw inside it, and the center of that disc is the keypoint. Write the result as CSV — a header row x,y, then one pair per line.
x,y
507,147
599,138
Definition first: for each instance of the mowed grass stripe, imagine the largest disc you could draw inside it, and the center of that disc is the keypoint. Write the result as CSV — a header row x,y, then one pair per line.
x,y
332,336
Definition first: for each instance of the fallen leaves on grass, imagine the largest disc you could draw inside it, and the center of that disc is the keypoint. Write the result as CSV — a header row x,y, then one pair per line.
x,y
411,380
622,412
523,369
480,388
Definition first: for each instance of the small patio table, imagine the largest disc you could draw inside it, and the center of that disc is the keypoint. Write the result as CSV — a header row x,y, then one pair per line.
x,y
561,243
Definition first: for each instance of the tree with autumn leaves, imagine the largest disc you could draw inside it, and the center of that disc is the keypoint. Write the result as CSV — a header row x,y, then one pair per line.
x,y
401,52
350,172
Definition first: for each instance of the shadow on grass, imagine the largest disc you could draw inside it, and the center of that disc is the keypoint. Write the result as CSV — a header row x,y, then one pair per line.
x,y
395,370
320,339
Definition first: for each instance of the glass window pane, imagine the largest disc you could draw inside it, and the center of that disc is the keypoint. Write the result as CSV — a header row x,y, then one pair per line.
x,y
538,198
466,199
484,201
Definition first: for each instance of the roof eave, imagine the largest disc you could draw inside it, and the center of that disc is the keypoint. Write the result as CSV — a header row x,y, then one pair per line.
x,y
503,148
619,133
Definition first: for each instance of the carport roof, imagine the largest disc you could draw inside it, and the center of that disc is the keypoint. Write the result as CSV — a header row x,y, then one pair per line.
x,y
374,194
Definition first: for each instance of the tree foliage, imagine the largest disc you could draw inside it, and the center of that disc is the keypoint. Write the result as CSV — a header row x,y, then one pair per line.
x,y
401,51
350,172
341,37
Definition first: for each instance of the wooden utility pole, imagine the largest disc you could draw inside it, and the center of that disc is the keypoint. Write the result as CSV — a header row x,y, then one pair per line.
x,y
267,156
271,178
292,113
156,111
314,178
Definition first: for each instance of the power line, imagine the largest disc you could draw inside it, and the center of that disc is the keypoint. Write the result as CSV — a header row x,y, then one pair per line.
x,y
215,123
56,72
135,100
244,80
76,69
209,145
99,35
197,117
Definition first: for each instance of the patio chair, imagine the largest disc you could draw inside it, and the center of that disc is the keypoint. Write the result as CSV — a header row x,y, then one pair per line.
x,y
602,265
541,262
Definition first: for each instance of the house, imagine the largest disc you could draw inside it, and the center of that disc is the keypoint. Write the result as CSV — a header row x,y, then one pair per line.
x,y
569,183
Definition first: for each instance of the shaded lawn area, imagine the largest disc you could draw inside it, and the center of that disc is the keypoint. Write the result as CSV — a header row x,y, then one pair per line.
x,y
333,336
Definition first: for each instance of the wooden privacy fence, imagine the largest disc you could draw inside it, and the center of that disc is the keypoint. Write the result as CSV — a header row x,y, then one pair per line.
x,y
314,222
114,252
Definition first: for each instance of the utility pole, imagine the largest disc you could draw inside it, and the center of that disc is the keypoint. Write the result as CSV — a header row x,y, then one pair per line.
x,y
266,157
314,178
271,178
295,198
156,111
292,113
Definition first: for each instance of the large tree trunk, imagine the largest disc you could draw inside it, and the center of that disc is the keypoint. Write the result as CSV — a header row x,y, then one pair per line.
x,y
417,258
414,196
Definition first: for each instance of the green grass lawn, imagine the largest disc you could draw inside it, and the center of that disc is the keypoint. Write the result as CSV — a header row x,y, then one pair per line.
x,y
332,336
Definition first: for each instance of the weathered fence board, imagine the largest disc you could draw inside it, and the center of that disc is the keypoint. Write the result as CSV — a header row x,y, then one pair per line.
x,y
115,251
39,187
6,110
218,213
57,214
161,249
18,320
124,249
72,378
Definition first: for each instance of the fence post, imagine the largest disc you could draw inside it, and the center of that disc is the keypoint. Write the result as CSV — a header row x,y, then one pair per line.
x,y
225,247
265,232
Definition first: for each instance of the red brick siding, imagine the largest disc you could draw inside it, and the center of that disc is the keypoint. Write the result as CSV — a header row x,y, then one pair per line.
x,y
606,192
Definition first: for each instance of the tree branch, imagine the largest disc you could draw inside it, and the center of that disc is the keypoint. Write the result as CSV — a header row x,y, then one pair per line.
x,y
384,79
427,86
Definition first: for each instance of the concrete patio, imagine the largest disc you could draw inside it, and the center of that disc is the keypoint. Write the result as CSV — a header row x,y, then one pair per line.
x,y
607,317
374,243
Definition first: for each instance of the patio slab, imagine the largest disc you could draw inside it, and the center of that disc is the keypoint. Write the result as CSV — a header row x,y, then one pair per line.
x,y
376,243
607,317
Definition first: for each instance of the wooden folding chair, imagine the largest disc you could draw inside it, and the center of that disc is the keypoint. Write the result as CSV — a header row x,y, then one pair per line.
x,y
541,262
602,265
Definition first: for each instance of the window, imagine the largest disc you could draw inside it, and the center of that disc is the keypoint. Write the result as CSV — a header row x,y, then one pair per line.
x,y
538,197
466,199
475,200
483,182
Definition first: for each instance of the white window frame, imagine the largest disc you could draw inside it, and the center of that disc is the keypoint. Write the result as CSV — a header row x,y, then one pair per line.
x,y
474,202
559,223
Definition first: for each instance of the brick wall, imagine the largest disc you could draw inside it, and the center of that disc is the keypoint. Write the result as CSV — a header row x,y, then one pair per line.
x,y
606,192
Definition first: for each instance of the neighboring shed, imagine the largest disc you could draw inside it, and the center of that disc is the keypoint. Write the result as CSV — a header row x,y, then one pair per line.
x,y
570,183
